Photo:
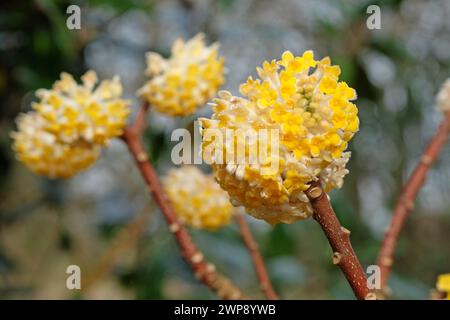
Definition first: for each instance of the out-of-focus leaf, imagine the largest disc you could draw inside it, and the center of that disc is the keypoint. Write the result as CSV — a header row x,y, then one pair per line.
x,y
60,32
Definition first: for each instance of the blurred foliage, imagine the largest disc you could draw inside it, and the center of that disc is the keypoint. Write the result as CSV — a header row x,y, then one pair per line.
x,y
47,225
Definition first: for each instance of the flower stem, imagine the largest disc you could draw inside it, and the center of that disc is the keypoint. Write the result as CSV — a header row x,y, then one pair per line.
x,y
405,202
258,262
204,271
339,238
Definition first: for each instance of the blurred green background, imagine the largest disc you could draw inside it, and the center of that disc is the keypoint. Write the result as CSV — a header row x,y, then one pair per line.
x,y
397,70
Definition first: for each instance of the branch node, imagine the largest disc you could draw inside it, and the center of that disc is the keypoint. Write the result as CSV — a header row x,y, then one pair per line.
x,y
371,296
405,202
197,257
345,230
337,257
142,157
315,192
343,254
426,160
210,268
174,227
386,261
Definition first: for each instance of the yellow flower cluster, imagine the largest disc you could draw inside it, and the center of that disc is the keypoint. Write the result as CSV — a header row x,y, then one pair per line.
x,y
82,112
69,125
40,150
185,81
443,97
197,198
310,108
443,284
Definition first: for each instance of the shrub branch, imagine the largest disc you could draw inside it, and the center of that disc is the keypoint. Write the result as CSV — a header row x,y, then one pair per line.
x,y
204,271
258,262
405,202
339,238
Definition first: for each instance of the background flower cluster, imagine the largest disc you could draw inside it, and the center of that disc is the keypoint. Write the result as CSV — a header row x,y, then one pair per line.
x,y
46,225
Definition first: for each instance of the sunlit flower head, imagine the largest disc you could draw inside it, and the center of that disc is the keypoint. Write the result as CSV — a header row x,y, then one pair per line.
x,y
443,284
69,125
75,112
443,97
311,110
186,80
197,199
43,154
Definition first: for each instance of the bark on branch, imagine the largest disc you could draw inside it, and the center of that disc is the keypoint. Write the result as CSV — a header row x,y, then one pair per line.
x,y
339,238
258,262
408,196
204,271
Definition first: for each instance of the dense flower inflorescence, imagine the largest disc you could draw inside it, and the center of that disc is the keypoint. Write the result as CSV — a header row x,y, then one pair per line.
x,y
443,97
185,81
443,284
197,199
43,154
311,111
69,125
82,111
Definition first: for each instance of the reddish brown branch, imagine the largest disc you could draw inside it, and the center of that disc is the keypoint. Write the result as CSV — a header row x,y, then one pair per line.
x,y
203,270
140,123
407,198
258,262
339,238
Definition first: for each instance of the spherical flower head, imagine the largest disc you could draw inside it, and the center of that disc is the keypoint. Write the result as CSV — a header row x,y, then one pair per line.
x,y
185,81
43,154
443,284
75,112
309,109
197,199
443,97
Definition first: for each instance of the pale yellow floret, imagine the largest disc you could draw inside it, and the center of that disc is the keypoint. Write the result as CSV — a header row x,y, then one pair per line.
x,y
185,81
197,199
304,100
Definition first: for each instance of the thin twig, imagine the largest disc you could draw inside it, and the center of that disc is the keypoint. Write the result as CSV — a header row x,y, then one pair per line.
x,y
339,238
408,196
258,262
126,239
140,123
204,271
129,234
